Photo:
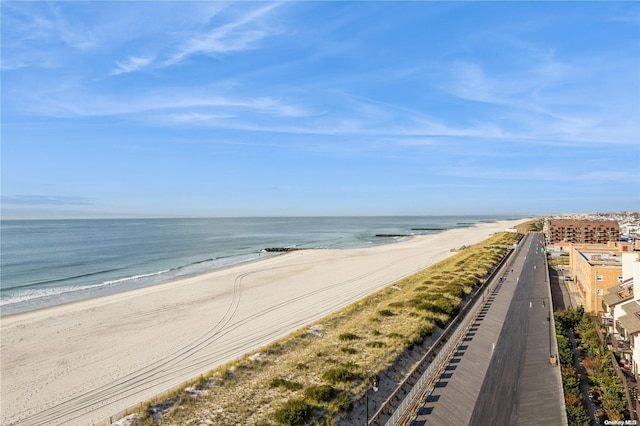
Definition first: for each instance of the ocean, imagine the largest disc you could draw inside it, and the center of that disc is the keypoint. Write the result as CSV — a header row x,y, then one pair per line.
x,y
50,262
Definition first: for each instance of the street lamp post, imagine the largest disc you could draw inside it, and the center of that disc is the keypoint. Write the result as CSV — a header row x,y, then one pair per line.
x,y
375,384
545,301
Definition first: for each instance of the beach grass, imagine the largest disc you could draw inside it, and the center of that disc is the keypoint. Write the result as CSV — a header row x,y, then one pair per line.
x,y
319,374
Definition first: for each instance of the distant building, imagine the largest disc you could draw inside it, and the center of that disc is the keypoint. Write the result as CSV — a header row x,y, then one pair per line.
x,y
582,231
595,269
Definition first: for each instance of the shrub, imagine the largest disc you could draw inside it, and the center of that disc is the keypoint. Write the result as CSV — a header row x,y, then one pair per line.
x,y
376,344
571,384
564,350
349,350
445,306
570,399
576,416
287,384
340,374
417,340
386,313
320,393
456,291
348,336
350,366
425,330
440,322
342,404
294,412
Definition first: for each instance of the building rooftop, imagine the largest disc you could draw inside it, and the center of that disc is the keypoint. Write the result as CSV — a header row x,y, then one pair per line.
x,y
631,321
618,294
593,257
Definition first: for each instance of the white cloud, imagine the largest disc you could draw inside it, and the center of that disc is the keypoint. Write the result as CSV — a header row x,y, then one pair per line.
x,y
46,200
196,118
231,37
542,173
133,63
184,105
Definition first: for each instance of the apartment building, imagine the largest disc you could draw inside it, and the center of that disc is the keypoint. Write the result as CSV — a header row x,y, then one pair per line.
x,y
582,231
596,268
621,314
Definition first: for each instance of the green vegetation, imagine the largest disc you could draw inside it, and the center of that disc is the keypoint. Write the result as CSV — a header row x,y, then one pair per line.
x,y
562,260
604,384
293,412
315,379
535,225
348,336
340,374
341,404
320,393
286,384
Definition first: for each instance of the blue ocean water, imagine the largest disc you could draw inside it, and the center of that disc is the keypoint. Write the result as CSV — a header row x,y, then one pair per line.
x,y
49,262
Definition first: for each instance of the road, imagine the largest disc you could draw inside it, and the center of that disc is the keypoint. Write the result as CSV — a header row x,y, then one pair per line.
x,y
501,373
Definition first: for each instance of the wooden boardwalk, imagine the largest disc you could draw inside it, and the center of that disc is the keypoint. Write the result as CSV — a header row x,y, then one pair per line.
x,y
501,373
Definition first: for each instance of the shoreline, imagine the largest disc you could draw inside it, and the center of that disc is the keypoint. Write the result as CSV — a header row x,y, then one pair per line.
x,y
141,342
98,290
79,296
269,253
107,294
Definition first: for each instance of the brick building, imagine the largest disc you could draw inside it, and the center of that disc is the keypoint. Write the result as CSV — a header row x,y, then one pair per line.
x,y
582,231
595,269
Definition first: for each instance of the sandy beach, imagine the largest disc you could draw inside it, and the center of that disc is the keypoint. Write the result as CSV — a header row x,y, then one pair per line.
x,y
80,363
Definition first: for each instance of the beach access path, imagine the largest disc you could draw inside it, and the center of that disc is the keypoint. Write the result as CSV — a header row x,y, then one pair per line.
x,y
80,363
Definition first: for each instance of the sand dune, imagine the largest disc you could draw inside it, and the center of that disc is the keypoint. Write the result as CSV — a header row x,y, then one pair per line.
x,y
82,362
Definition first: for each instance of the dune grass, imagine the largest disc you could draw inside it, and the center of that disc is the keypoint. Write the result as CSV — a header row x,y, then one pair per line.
x,y
534,225
315,378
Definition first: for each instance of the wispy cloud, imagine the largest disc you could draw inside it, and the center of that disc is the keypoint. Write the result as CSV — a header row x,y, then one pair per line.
x,y
46,200
542,174
545,100
242,34
133,63
174,105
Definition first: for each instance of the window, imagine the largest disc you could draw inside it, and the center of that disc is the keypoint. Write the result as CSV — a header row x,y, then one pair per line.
x,y
598,277
599,292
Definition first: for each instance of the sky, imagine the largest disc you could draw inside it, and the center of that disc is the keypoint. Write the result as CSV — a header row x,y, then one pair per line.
x,y
214,109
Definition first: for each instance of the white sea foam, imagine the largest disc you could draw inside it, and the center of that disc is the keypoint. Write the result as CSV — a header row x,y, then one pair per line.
x,y
28,295
37,293
134,277
32,295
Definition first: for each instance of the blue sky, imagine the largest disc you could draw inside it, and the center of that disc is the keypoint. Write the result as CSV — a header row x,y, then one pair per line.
x,y
164,109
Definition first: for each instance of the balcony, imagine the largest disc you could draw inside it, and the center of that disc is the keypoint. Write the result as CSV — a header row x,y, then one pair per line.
x,y
621,346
